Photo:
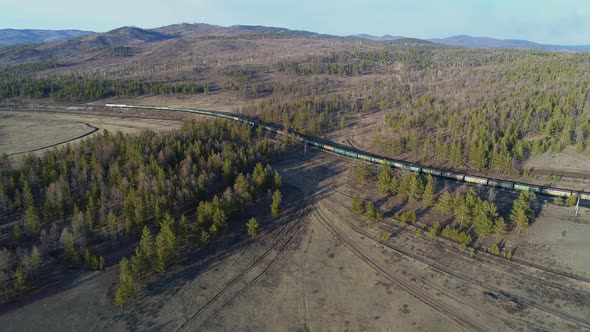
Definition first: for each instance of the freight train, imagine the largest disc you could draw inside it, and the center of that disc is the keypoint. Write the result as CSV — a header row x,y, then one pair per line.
x,y
375,159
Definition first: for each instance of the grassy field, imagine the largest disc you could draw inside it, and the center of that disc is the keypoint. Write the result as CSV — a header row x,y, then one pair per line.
x,y
24,131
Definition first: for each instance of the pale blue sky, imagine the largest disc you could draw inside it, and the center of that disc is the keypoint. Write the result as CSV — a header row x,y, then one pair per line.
x,y
544,21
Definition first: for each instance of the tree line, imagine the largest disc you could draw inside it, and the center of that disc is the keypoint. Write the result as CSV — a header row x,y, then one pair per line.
x,y
75,88
76,203
473,217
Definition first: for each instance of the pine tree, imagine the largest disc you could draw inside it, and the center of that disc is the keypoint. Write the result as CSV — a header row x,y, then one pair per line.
x,y
484,225
141,263
277,181
500,228
32,222
67,240
253,227
275,207
360,172
165,247
462,214
112,226
428,195
126,283
521,212
373,212
411,187
20,280
445,203
384,179
183,227
358,206
17,232
571,201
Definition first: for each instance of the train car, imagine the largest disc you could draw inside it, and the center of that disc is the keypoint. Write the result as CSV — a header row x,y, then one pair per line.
x,y
328,147
431,171
475,179
340,151
414,168
364,157
351,154
454,176
379,160
556,192
397,164
527,187
501,184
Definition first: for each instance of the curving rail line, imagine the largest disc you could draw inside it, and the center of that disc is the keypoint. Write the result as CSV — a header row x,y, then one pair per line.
x,y
376,159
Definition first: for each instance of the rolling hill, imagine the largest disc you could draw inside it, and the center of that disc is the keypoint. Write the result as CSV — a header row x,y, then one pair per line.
x,y
9,37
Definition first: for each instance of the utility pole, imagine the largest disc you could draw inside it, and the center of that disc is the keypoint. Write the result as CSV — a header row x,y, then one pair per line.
x,y
578,206
305,148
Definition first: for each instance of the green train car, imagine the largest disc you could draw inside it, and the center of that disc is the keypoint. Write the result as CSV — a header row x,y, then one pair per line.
x,y
431,171
527,187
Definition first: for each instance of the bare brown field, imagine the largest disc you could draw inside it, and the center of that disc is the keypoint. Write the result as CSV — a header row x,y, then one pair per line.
x,y
28,130
319,268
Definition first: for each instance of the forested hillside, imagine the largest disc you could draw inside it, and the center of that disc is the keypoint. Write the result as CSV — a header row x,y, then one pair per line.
x,y
481,110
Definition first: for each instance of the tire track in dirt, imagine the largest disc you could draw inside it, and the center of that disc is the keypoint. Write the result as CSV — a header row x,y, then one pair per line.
x,y
581,323
414,290
279,242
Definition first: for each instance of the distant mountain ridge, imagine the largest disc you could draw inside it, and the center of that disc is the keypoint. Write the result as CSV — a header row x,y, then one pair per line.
x,y
517,44
378,38
10,37
487,42
79,39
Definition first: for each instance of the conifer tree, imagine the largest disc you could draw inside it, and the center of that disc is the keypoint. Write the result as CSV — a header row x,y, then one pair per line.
x,y
275,207
165,247
445,203
32,221
126,287
428,195
253,227
384,179
358,206
521,213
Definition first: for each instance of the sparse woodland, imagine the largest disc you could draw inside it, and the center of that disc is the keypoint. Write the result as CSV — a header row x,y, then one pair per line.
x,y
481,110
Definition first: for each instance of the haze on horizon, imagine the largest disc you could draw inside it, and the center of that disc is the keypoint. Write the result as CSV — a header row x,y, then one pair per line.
x,y
566,22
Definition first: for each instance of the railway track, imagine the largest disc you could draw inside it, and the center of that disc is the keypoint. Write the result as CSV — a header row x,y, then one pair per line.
x,y
120,116
279,243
